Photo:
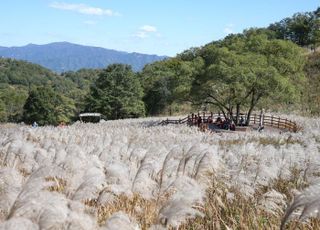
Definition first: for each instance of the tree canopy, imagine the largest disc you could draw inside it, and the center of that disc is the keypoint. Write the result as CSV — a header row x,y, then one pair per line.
x,y
167,82
47,107
14,99
117,93
239,73
301,28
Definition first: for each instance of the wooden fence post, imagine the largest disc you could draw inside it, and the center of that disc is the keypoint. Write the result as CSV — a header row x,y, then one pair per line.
x,y
286,123
261,118
271,120
278,122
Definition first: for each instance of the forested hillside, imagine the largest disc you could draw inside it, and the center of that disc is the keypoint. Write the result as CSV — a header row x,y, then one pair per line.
x,y
276,68
218,75
19,78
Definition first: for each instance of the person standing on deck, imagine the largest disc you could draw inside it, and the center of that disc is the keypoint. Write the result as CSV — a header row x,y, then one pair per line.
x,y
199,121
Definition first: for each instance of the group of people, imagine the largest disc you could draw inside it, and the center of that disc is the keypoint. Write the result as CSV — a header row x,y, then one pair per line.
x,y
227,124
219,123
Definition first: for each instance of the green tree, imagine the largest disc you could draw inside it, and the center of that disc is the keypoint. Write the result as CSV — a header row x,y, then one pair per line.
x,y
158,97
301,28
239,74
47,107
82,79
169,82
14,99
117,93
315,32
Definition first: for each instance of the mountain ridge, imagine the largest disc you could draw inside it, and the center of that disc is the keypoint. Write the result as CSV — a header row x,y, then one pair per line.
x,y
65,56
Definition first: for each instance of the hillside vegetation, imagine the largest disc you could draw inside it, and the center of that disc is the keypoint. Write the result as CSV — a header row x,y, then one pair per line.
x,y
312,94
18,79
276,68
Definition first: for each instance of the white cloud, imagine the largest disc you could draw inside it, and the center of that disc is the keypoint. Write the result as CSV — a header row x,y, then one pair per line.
x,y
83,9
145,31
148,28
229,29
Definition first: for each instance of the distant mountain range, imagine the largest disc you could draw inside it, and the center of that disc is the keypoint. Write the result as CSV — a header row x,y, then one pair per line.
x,y
65,56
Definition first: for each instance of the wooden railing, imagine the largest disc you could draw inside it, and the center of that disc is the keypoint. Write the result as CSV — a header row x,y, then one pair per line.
x,y
267,120
274,121
176,121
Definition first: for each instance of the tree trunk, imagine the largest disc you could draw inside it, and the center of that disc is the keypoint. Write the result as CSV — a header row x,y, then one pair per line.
x,y
253,103
237,114
223,112
251,108
248,116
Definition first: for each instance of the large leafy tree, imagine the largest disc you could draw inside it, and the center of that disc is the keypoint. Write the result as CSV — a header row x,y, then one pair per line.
x,y
243,69
117,93
47,107
14,99
169,82
300,27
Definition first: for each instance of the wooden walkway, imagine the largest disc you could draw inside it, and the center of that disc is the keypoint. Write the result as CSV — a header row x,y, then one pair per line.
x,y
267,120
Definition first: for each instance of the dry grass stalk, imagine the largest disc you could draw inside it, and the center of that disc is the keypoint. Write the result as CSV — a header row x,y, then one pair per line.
x,y
144,211
60,184
24,172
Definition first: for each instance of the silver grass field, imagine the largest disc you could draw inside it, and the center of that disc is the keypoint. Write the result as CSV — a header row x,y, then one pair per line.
x,y
134,174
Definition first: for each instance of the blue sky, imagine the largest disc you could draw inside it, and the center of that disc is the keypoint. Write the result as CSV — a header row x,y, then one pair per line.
x,y
163,27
